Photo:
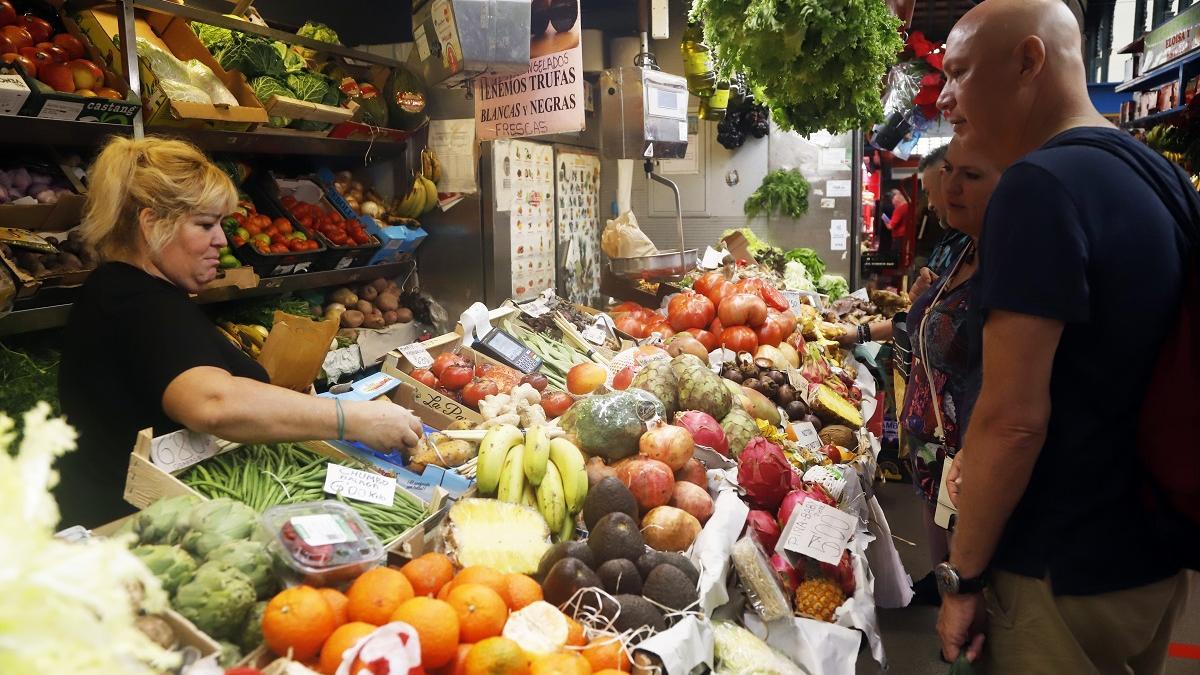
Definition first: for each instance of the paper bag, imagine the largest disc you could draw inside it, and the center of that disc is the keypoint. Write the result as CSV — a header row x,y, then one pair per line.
x,y
296,349
623,238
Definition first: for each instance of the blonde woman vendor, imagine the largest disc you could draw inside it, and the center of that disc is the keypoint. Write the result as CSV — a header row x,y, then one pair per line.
x,y
138,353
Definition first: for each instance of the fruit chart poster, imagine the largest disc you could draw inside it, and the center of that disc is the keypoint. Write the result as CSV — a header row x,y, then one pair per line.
x,y
547,98
578,193
531,218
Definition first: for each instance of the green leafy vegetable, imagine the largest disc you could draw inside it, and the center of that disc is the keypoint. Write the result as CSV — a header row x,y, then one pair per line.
x,y
261,311
214,38
833,285
264,88
292,61
28,374
818,64
783,191
254,56
308,86
809,258
319,31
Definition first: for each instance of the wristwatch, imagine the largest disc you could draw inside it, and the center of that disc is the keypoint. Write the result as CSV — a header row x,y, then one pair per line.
x,y
949,582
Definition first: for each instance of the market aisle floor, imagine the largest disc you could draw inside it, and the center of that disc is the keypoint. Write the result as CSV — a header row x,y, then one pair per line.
x,y
908,634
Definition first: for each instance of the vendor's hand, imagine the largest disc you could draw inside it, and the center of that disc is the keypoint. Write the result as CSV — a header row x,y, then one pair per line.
x,y
924,280
383,425
954,480
961,623
849,336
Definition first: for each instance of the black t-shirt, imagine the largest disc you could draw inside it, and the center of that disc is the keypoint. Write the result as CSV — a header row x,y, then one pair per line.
x,y
1076,233
129,335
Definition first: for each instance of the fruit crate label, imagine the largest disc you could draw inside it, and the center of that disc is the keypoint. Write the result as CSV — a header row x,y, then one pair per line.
x,y
322,529
363,486
807,436
820,531
181,449
445,405
417,355
61,110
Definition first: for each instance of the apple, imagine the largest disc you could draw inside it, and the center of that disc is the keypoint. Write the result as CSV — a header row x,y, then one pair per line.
x,y
18,35
39,29
58,76
23,62
87,75
8,15
36,55
585,378
108,92
70,44
57,54
86,93
6,45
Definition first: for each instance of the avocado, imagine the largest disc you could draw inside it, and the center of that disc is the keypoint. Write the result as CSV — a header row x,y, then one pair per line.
x,y
565,549
616,536
636,612
565,578
608,496
669,586
620,576
652,559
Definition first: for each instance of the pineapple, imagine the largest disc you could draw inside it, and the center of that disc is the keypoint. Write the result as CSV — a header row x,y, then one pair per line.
x,y
506,537
819,598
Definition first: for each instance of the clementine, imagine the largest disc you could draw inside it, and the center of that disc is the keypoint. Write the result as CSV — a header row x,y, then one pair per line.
x,y
337,602
375,595
481,611
575,636
479,574
560,663
342,639
297,619
457,665
522,591
497,656
436,623
429,573
606,652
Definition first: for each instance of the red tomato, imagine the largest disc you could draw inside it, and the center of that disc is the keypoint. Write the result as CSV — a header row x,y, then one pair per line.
x,y
706,338
661,327
284,227
279,248
690,310
719,292
716,328
789,322
626,307
631,325
478,390
555,403
772,331
312,245
707,281
768,293
295,245
456,377
445,360
742,309
739,339
425,377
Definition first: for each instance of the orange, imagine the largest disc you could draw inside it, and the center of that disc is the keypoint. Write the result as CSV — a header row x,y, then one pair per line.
x,y
342,639
337,602
560,663
497,656
522,591
436,624
375,595
606,652
457,665
445,591
481,611
298,619
609,671
478,574
429,573
575,636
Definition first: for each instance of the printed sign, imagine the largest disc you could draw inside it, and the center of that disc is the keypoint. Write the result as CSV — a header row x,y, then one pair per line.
x,y
820,531
806,435
321,529
363,486
182,449
417,355
546,99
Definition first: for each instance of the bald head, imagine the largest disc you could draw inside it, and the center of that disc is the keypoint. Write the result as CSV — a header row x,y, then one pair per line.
x,y
1015,77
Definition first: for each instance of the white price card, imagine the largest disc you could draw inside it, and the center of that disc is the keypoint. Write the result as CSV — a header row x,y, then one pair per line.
x,y
861,294
712,258
321,529
820,531
837,188
806,436
594,335
182,449
363,486
417,355
793,301
535,308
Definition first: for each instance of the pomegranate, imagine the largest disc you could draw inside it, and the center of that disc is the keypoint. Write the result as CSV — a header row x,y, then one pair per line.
x,y
669,444
705,430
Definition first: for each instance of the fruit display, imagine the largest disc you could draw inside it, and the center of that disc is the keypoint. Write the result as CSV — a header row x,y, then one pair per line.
x,y
266,235
336,230
50,55
366,201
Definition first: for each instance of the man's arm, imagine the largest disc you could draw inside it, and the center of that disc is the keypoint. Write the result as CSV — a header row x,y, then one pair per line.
x,y
1007,430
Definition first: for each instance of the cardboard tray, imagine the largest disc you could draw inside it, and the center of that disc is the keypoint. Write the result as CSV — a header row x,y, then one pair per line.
x,y
58,217
335,257
28,285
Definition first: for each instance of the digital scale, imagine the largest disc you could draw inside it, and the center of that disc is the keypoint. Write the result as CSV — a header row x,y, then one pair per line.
x,y
508,350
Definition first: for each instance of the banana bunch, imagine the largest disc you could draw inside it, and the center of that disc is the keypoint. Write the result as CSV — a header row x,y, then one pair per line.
x,y
431,166
533,470
248,337
423,196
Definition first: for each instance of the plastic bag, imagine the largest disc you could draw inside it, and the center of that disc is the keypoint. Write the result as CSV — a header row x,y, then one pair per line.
x,y
184,92
903,83
758,578
202,77
740,652
623,238
610,425
164,64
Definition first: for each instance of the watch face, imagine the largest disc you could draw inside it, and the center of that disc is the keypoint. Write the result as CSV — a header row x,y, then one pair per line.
x,y
947,579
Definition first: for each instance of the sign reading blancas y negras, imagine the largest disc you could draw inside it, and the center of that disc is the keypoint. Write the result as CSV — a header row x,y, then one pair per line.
x,y
546,99
1172,39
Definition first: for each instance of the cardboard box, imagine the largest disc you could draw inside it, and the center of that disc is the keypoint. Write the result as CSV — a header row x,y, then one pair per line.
x,y
297,109
174,35
27,284
13,91
398,241
238,277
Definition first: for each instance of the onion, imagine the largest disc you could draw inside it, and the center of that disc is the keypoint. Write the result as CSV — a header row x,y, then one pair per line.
x,y
742,309
763,525
788,575
705,430
370,208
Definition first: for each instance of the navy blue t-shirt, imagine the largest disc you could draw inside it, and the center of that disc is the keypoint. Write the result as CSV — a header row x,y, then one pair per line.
x,y
1076,233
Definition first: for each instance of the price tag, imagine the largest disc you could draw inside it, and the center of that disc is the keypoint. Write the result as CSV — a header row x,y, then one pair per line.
x,y
182,449
363,486
535,308
793,301
797,380
594,335
861,294
712,258
806,436
820,531
417,355
321,529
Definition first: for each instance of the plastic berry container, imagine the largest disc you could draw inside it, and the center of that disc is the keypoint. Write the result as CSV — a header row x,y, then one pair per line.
x,y
321,543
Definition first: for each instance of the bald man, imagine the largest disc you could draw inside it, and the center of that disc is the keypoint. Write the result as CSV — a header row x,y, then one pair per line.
x,y
1086,230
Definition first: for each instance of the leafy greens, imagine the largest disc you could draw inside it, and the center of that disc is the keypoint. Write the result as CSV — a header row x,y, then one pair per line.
x,y
809,258
252,55
783,191
817,64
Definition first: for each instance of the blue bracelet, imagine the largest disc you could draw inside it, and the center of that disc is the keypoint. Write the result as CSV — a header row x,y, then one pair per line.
x,y
341,420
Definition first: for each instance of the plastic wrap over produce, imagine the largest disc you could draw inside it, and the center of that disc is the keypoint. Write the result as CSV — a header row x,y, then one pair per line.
x,y
714,545
611,425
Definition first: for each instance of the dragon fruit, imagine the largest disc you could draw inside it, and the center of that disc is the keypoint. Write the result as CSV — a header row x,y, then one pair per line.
x,y
765,474
842,573
789,575
797,497
764,527
705,430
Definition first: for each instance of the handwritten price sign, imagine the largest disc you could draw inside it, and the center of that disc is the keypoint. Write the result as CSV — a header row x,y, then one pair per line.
x,y
820,531
182,449
417,355
361,485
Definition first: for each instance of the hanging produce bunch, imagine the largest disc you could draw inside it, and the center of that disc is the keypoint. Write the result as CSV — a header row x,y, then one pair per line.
x,y
817,64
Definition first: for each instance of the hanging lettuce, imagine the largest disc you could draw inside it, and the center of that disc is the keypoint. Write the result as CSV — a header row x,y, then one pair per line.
x,y
783,191
264,88
818,64
214,38
254,56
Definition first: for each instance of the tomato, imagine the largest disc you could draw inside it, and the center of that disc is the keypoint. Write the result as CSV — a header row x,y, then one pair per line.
x,y
661,327
537,380
690,310
789,322
457,376
425,377
707,281
719,292
739,339
626,307
279,248
295,245
772,331
444,360
631,325
716,328
555,403
768,293
478,390
742,309
283,225
706,338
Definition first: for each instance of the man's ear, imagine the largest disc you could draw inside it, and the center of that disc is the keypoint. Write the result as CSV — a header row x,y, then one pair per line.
x,y
1030,55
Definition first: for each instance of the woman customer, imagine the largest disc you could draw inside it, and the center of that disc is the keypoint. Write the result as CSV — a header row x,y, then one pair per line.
x,y
946,335
140,354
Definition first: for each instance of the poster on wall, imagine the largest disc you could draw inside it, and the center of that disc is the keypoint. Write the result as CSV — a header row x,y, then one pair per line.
x,y
578,193
546,99
531,218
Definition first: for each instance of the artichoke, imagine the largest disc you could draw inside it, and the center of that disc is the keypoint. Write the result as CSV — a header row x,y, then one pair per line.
x,y
165,521
252,558
250,636
215,522
230,654
170,564
217,599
